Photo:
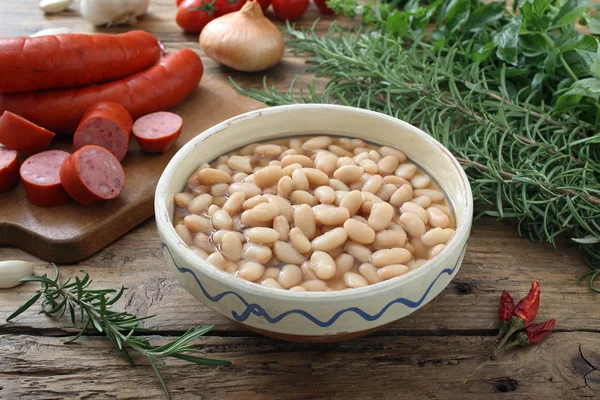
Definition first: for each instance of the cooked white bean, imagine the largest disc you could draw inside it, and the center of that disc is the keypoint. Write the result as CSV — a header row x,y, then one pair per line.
x,y
359,232
316,177
271,283
262,235
303,160
330,240
297,289
257,252
373,184
386,191
375,156
323,265
267,150
414,264
344,262
231,246
200,203
185,234
183,199
370,273
352,201
343,161
300,180
358,251
270,272
412,224
265,212
359,158
203,242
420,181
217,260
268,176
406,170
417,247
339,196
422,201
250,270
222,220
213,208
361,149
433,194
212,176
315,286
219,190
397,255
248,149
339,151
327,163
307,272
230,267
198,223
325,194
359,219
285,208
247,220
354,280
219,201
337,284
282,226
290,275
248,189
338,185
437,236
217,236
225,168
351,144
392,271
285,187
435,250
238,177
348,173
234,203
299,240
358,185
319,142
416,209
381,216
303,197
402,195
330,215
369,166
387,165
389,238
390,151
249,179
437,218
240,163
286,253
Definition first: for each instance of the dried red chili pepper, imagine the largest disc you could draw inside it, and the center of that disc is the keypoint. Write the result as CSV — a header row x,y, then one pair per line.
x,y
537,332
527,308
506,310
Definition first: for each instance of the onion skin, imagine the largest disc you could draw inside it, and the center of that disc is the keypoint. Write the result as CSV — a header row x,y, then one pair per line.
x,y
244,40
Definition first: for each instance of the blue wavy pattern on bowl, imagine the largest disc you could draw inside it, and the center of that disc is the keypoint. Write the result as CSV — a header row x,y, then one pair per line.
x,y
253,308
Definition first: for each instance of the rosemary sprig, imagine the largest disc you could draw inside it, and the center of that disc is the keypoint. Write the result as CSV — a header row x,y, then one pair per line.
x,y
94,306
542,175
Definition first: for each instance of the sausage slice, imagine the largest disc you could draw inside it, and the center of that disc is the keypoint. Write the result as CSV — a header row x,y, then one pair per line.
x,y
41,178
92,174
19,134
9,169
157,132
106,124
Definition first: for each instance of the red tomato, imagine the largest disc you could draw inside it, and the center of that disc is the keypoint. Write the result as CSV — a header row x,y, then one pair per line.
x,y
290,9
264,4
192,20
178,2
223,7
323,7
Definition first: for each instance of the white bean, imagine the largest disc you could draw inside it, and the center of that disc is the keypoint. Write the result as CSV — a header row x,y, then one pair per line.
x,y
437,236
231,247
247,220
385,257
249,189
303,197
332,216
304,218
314,286
412,224
381,216
387,165
386,191
213,208
268,176
285,208
325,194
327,164
250,270
319,142
300,241
219,190
198,223
217,260
316,177
359,232
354,280
370,273
323,265
373,184
352,201
422,201
433,194
300,159
299,179
234,203
330,240
282,226
253,201
389,238
257,252
267,150
265,212
290,276
203,242
348,173
200,203
402,195
390,151
415,209
222,220
392,271
183,199
262,235
286,253
420,181
406,170
271,283
240,163
185,234
435,250
437,218
358,251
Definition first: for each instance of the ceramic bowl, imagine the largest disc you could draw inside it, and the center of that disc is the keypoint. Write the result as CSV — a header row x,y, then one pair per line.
x,y
313,316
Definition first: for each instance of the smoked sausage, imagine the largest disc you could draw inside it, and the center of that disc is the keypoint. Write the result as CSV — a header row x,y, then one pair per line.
x,y
157,132
9,169
92,174
159,88
73,60
17,133
106,124
40,175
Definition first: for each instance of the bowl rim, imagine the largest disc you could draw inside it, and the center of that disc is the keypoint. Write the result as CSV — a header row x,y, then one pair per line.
x,y
176,244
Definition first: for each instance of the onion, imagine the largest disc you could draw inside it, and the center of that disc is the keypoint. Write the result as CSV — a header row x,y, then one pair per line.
x,y
113,12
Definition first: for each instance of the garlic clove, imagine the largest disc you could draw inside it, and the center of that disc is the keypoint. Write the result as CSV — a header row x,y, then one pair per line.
x,y
51,31
12,271
54,6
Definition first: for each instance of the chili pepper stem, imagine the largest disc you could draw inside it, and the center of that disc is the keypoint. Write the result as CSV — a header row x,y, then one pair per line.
x,y
487,361
507,336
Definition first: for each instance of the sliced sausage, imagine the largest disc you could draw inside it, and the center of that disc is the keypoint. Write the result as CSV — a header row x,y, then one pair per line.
x,y
157,132
157,89
40,175
106,124
73,60
92,174
17,133
9,169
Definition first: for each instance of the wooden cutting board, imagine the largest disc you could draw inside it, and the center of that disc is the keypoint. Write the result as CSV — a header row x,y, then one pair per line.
x,y
72,232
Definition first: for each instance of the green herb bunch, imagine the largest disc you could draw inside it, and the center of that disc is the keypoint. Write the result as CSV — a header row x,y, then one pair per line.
x,y
528,160
94,306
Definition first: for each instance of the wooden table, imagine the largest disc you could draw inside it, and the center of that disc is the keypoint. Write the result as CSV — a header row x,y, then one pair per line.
x,y
425,355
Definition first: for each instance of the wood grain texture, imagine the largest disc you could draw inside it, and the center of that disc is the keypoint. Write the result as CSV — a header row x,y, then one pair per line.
x,y
566,366
72,232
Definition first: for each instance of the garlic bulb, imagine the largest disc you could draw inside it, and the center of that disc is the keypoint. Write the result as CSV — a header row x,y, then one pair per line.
x,y
113,12
244,40
54,6
52,31
13,270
